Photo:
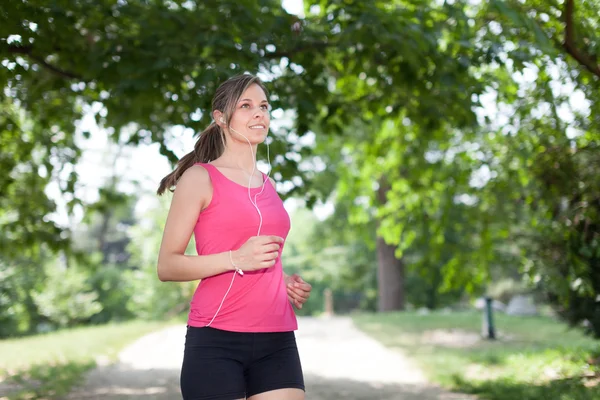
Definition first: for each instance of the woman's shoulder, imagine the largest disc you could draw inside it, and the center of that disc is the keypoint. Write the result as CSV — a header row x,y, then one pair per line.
x,y
197,170
195,178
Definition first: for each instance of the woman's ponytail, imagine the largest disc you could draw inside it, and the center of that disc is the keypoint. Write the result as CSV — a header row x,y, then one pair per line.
x,y
210,146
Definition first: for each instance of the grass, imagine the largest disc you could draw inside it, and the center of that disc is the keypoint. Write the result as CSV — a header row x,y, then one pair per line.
x,y
533,358
49,365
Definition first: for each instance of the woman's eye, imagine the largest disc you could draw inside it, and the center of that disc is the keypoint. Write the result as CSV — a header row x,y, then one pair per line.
x,y
264,107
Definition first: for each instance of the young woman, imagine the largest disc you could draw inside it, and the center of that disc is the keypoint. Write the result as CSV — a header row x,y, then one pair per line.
x,y
240,341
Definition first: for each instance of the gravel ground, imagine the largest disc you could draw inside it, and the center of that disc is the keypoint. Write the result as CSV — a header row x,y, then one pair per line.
x,y
339,362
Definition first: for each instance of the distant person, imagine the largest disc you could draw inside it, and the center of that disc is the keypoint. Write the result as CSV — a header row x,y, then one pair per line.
x,y
240,341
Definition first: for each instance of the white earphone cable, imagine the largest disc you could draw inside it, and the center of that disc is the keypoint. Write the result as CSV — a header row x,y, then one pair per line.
x,y
255,204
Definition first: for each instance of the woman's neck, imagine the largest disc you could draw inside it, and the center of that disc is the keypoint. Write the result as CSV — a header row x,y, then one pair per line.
x,y
239,156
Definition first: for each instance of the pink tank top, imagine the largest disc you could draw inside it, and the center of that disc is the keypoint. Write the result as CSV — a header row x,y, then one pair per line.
x,y
257,301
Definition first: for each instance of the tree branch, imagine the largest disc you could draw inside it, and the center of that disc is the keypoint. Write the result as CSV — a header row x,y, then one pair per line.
x,y
27,51
569,43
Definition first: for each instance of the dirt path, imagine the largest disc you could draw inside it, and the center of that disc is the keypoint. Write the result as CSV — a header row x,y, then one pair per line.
x,y
339,361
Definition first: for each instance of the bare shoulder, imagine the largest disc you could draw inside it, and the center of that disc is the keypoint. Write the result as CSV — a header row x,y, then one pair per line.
x,y
195,174
195,183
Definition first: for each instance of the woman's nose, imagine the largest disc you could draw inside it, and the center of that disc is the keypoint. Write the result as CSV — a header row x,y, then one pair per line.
x,y
259,113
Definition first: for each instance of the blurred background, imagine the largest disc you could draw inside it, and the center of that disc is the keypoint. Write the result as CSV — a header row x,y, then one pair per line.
x,y
431,154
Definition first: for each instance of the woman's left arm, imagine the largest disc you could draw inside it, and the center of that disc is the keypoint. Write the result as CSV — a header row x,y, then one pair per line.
x,y
298,291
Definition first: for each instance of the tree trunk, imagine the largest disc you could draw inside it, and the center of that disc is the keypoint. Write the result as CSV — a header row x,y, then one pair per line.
x,y
433,288
103,235
390,275
390,270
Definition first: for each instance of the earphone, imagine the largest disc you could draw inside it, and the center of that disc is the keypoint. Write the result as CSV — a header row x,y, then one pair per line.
x,y
254,203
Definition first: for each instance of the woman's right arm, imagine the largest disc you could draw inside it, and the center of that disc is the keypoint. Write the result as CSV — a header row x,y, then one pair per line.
x,y
190,196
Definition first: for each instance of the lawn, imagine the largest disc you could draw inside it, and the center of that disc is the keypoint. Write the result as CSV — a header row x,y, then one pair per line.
x,y
48,365
533,357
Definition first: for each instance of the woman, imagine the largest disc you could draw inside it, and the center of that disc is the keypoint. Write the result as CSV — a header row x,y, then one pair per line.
x,y
240,339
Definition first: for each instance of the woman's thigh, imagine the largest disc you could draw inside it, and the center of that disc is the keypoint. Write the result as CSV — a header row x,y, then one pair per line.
x,y
212,365
275,371
281,394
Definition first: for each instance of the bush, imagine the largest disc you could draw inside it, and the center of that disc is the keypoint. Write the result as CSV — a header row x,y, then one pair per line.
x,y
13,314
114,292
153,299
67,298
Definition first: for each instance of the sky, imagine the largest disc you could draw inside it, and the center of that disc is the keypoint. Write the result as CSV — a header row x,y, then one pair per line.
x,y
293,6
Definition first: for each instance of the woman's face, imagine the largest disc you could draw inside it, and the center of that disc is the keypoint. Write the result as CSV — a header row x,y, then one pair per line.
x,y
251,116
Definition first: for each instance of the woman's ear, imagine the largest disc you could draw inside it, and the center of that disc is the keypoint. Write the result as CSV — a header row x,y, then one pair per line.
x,y
219,118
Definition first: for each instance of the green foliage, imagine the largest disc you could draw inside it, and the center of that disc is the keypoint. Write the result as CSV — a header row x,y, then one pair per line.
x,y
113,50
151,298
463,134
534,357
328,264
468,200
550,156
147,66
332,254
17,308
110,275
114,291
26,155
67,298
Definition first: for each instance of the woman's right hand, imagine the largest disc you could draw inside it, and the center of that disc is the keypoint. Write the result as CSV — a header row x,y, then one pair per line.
x,y
257,253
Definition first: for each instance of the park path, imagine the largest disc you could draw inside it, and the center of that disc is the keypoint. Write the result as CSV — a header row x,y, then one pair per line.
x,y
339,362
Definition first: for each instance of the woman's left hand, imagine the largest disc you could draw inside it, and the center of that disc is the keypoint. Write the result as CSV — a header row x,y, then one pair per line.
x,y
298,291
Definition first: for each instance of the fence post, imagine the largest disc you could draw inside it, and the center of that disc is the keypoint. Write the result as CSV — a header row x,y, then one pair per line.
x,y
489,330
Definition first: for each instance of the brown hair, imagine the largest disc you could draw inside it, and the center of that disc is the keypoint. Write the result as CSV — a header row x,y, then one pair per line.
x,y
211,143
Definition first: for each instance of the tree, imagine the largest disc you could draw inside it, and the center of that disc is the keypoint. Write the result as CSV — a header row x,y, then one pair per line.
x,y
396,94
67,298
435,171
555,147
147,71
150,65
417,72
151,298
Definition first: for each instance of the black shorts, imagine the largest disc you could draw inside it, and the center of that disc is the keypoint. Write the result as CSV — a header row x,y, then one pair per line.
x,y
223,365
